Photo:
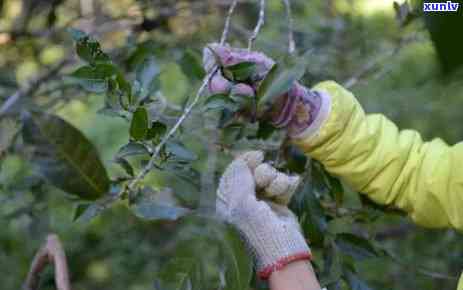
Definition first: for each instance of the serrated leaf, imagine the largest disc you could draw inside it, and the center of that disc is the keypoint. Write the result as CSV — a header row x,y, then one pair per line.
x,y
139,125
219,101
191,66
355,246
65,156
240,72
132,149
180,151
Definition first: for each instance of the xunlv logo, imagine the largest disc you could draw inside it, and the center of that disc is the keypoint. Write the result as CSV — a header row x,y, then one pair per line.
x,y
441,6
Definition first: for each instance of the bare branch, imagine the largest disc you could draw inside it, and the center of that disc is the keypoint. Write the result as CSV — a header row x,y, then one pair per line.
x,y
227,22
259,24
51,252
32,86
291,43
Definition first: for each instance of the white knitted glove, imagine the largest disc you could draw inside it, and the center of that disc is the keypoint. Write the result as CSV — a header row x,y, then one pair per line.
x,y
271,230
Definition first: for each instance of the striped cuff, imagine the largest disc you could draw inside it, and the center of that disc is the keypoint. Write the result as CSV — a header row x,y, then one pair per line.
x,y
265,273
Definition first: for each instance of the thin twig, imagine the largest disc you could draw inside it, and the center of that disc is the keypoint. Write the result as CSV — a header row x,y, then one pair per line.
x,y
158,148
291,43
370,65
32,86
51,252
227,22
259,24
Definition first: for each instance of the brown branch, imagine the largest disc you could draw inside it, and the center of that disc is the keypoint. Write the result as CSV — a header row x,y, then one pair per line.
x,y
51,252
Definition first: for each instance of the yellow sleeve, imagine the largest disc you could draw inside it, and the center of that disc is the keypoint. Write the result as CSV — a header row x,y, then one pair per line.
x,y
369,153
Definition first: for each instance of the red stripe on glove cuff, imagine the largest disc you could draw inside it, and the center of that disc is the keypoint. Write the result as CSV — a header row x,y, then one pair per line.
x,y
265,273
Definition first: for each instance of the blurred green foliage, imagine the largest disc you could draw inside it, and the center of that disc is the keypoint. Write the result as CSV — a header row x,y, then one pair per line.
x,y
393,69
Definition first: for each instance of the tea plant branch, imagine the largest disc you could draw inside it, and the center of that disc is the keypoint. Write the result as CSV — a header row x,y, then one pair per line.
x,y
291,43
184,115
51,252
259,24
226,28
32,86
171,132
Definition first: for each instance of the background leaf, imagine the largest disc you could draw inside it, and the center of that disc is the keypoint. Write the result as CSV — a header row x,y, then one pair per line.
x,y
65,156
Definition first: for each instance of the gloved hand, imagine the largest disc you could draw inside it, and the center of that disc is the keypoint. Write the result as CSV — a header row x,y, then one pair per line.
x,y
299,110
270,229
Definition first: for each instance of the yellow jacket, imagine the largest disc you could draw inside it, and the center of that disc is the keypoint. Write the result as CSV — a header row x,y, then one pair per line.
x,y
392,167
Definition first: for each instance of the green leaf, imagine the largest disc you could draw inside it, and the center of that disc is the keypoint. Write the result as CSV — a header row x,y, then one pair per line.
x,y
240,72
139,124
147,75
79,210
180,273
313,221
217,245
265,130
280,80
157,130
132,149
149,210
268,81
332,270
191,65
180,151
65,156
94,78
157,205
355,246
296,160
89,50
219,101
238,264
125,165
89,212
